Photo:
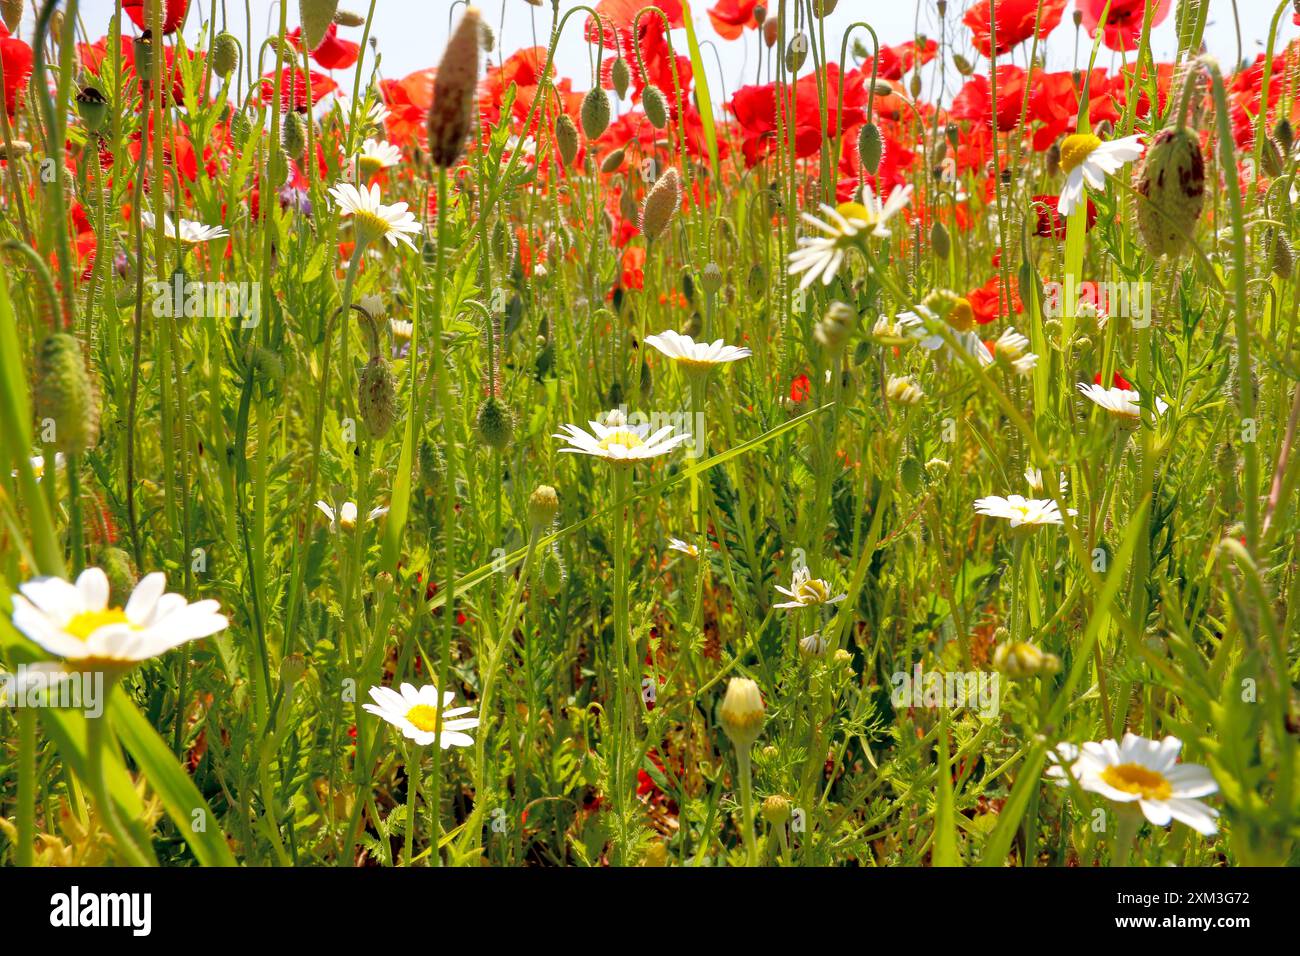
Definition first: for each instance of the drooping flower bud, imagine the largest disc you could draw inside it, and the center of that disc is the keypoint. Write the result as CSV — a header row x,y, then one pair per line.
x,y
11,12
661,204
614,161
454,90
494,423
655,105
67,396
621,77
871,147
939,243
225,54
566,139
1171,181
293,136
594,113
316,16
376,397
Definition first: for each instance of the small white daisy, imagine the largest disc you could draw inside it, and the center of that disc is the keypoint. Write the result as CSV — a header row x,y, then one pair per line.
x,y
373,219
191,233
695,356
376,155
1020,510
419,714
1120,402
807,591
824,255
346,516
677,544
1034,478
1085,158
75,621
619,441
1143,771
1012,348
902,389
38,465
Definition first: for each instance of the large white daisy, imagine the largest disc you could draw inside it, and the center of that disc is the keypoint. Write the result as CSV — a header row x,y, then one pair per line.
x,y
1085,158
1020,510
75,621
373,219
1120,402
191,233
620,442
419,714
1141,771
696,356
840,230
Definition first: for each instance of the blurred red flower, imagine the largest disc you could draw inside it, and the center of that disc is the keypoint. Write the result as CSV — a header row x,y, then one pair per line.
x,y
1123,27
1015,22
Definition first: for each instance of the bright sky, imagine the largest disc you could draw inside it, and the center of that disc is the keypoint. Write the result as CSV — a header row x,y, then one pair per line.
x,y
410,34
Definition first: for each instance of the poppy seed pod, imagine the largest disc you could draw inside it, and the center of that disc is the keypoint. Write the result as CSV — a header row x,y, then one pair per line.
x,y
655,105
661,204
871,147
620,76
225,54
11,11
66,396
1171,181
316,16
742,712
566,139
376,397
594,113
454,90
494,424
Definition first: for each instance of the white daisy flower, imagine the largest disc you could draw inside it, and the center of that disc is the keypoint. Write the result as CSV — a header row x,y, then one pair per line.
x,y
619,441
419,714
824,255
1034,478
677,544
1085,158
902,389
696,356
191,233
807,591
401,329
912,326
39,682
38,465
814,645
373,219
1120,402
346,516
1020,510
1143,771
75,621
376,155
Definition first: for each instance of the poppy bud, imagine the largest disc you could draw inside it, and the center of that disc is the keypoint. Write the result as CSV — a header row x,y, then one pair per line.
x,y
1283,260
93,107
454,89
613,161
376,397
621,77
566,139
1172,181
1284,135
760,15
293,136
316,16
914,87
432,465
120,571
824,8
796,52
1078,17
552,573
871,147
655,105
661,204
1053,159
1271,155
646,384
277,168
225,54
67,395
952,134
543,505
142,47
939,243
346,18
494,424
962,64
771,32
11,11
240,126
594,113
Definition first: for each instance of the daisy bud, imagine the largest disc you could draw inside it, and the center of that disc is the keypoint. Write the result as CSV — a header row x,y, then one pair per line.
x,y
293,136
833,331
939,243
225,54
937,469
742,712
454,90
621,76
1172,180
661,204
494,423
346,18
655,105
771,32
11,11
293,667
594,113
1020,660
566,139
711,279
1283,260
870,147
67,395
552,573
814,645
376,397
93,107
120,571
543,505
613,161
316,16
776,810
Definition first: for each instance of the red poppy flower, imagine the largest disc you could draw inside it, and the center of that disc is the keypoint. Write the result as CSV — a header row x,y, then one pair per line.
x,y
894,61
173,13
800,388
1015,23
634,268
1051,224
987,301
974,101
408,101
1124,21
332,53
298,92
1117,381
755,110
731,18
16,57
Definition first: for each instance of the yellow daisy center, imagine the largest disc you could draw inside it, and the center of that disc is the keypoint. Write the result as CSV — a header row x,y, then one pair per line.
x,y
962,316
369,225
855,210
813,591
1134,778
88,622
367,166
1076,148
424,717
621,436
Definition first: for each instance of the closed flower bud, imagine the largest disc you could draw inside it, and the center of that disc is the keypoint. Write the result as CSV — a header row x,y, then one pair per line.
x,y
833,331
1271,155
346,18
621,77
1283,260
293,136
566,139
120,571
316,16
1171,181
293,667
1020,660
66,395
454,89
711,279
1285,135
376,397
742,712
871,148
11,12
813,645
824,8
796,53
552,573
225,54
939,243
771,32
962,64
594,113
433,467
543,505
655,105
240,126
776,810
142,48
494,423
613,161
661,204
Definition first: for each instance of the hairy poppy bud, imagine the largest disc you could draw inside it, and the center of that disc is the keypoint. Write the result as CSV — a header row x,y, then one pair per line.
x,y
346,18
566,139
553,573
594,113
67,395
293,136
962,64
454,90
655,105
1171,181
621,77
225,54
614,161
1284,135
871,147
661,204
939,243
376,397
120,571
1283,260
494,424
316,16
433,467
